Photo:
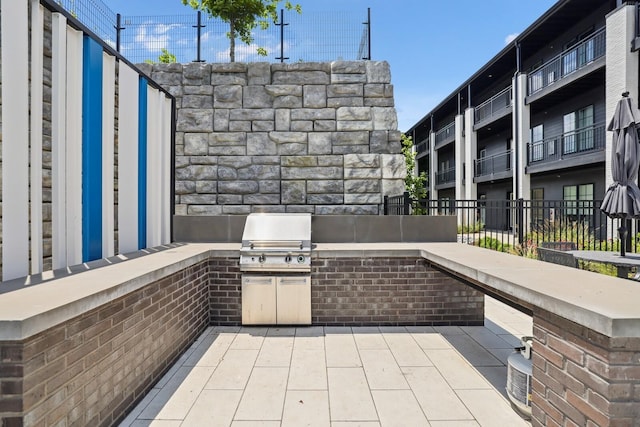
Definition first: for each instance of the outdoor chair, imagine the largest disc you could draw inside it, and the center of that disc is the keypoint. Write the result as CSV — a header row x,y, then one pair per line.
x,y
557,257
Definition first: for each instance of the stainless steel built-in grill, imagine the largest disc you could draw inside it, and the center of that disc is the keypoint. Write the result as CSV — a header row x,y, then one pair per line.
x,y
275,258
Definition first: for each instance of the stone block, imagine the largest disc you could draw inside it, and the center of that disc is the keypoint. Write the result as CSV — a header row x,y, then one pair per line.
x,y
283,120
181,209
177,91
196,144
220,150
227,138
346,90
220,120
229,67
325,199
324,125
312,173
197,90
228,79
288,137
362,161
197,101
269,186
345,102
300,161
292,149
320,143
203,160
227,96
354,125
362,186
314,96
185,187
260,144
198,199
284,90
354,113
229,199
301,77
362,173
393,166
378,102
259,172
259,73
302,126
240,126
196,74
300,209
313,114
262,126
294,192
164,78
348,78
237,187
226,173
197,173
236,209
265,160
333,160
288,101
325,186
374,90
204,210
348,210
256,97
350,138
384,118
362,199
393,187
348,67
262,199
378,72
234,161
193,120
252,114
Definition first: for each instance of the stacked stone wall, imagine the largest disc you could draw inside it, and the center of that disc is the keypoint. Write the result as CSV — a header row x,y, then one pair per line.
x,y
305,137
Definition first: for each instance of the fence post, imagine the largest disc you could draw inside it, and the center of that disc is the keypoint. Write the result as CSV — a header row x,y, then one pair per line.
x,y
385,209
119,28
368,23
520,219
199,28
407,203
281,25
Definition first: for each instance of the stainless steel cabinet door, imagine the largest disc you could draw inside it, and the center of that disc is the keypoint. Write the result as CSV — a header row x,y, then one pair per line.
x,y
294,300
258,300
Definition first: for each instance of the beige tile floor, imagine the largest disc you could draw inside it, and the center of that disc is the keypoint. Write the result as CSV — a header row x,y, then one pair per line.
x,y
341,377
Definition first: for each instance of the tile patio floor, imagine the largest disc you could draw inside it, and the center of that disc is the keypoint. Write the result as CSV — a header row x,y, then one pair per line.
x,y
342,377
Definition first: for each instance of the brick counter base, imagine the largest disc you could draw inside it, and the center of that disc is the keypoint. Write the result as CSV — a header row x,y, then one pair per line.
x,y
581,377
91,369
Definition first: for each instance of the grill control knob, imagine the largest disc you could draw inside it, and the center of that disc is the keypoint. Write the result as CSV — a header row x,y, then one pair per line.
x,y
262,259
287,259
301,259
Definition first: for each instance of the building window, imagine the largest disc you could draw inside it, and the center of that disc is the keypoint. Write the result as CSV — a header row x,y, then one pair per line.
x,y
579,200
537,203
537,143
578,130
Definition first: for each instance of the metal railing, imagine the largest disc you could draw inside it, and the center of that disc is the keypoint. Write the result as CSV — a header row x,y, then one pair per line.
x,y
494,105
568,62
493,164
446,133
520,226
589,139
307,37
446,176
422,146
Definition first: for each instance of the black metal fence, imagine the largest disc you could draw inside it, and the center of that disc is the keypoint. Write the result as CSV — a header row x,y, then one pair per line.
x,y
522,225
310,36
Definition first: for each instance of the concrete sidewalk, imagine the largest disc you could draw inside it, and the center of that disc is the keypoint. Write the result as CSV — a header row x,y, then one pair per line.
x,y
342,377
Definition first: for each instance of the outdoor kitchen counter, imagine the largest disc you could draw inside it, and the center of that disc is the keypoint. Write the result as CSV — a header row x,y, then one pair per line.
x,y
605,304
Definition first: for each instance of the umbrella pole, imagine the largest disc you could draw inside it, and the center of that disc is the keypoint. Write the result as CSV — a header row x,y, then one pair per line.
x,y
622,232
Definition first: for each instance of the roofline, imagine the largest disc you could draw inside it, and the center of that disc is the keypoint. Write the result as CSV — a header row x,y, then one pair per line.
x,y
526,32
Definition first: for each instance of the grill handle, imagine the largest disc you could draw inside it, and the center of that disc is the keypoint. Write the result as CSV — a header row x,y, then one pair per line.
x,y
276,244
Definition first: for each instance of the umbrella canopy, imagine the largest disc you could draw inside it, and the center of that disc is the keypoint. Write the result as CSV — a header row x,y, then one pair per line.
x,y
622,199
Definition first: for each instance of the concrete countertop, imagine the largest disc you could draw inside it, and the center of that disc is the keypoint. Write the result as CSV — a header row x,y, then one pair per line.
x,y
605,304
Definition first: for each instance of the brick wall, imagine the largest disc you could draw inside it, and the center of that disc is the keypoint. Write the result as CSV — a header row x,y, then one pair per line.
x,y
583,378
225,298
390,291
90,369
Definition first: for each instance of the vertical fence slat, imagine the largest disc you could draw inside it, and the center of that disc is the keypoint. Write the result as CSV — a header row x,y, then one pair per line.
x,y
127,159
108,144
37,68
15,134
142,162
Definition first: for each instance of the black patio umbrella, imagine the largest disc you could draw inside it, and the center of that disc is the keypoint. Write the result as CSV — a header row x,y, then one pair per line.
x,y
622,198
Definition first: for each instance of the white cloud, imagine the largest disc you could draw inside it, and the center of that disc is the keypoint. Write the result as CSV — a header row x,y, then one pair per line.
x,y
510,38
154,37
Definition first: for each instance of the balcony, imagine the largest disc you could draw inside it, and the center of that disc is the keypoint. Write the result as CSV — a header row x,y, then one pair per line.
x,y
493,108
445,177
422,147
568,62
493,167
445,135
573,148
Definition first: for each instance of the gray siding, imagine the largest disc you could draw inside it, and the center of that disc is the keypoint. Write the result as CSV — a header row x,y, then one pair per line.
x,y
553,183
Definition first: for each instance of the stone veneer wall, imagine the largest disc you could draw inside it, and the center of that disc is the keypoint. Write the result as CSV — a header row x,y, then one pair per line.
x,y
91,369
583,378
303,137
357,292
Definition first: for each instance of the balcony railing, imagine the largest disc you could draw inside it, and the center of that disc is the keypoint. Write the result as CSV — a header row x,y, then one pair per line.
x,y
493,164
493,106
446,133
568,62
446,176
580,141
422,146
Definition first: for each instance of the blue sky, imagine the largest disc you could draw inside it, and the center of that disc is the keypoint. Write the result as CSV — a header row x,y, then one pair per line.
x,y
432,46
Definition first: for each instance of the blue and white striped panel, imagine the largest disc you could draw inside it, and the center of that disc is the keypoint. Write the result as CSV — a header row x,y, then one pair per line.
x,y
108,156
142,161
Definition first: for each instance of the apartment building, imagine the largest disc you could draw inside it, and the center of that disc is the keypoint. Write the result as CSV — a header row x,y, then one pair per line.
x,y
531,122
